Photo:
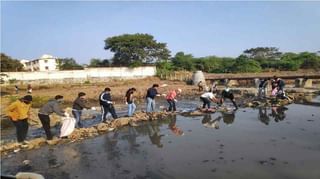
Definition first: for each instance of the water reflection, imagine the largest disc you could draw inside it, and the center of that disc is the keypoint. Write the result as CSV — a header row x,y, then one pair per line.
x,y
228,118
154,134
207,121
278,113
173,126
263,115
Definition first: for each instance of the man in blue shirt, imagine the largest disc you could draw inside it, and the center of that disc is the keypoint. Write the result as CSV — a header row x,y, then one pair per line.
x,y
151,94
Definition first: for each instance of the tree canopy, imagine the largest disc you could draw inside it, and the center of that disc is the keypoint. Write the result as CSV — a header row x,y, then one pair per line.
x,y
262,53
135,49
9,64
95,62
68,64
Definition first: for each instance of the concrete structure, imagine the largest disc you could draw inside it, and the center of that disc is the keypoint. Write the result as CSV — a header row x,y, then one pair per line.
x,y
197,77
301,79
89,74
44,63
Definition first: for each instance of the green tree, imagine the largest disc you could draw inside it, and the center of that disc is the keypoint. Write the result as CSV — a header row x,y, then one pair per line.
x,y
9,65
95,62
310,60
261,53
68,64
243,64
183,62
133,49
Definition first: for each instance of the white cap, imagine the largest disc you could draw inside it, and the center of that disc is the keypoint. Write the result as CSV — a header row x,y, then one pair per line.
x,y
179,90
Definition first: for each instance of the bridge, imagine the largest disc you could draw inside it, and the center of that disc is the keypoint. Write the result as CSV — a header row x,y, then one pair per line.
x,y
302,79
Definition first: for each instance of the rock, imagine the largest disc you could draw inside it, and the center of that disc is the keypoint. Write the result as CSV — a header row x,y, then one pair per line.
x,y
133,124
37,142
120,122
102,127
54,141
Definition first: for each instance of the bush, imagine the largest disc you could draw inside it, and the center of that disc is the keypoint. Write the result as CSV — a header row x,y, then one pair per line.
x,y
12,81
243,64
39,101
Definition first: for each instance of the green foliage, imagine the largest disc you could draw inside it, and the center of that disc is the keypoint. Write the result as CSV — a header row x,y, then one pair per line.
x,y
68,64
37,101
9,65
183,62
95,62
244,64
13,98
11,81
135,64
87,82
310,60
164,67
262,53
131,49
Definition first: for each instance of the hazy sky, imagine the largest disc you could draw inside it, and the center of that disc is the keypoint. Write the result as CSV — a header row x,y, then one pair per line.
x,y
78,29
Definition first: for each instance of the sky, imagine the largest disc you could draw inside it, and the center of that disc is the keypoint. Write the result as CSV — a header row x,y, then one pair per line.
x,y
78,29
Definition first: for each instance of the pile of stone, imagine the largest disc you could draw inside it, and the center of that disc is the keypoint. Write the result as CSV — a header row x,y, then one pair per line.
x,y
84,133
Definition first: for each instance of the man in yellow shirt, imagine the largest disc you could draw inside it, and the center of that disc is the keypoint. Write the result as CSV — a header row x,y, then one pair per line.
x,y
19,112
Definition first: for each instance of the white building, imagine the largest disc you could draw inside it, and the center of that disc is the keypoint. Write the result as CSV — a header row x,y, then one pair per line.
x,y
44,63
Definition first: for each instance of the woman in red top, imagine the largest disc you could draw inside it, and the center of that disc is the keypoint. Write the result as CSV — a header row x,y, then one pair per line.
x,y
171,98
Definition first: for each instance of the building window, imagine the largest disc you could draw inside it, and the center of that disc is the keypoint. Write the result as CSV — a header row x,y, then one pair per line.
x,y
47,68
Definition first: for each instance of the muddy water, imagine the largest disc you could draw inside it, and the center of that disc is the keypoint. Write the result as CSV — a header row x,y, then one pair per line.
x,y
281,142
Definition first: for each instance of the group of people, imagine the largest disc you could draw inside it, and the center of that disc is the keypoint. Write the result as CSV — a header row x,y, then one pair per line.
x,y
277,88
211,96
19,111
29,89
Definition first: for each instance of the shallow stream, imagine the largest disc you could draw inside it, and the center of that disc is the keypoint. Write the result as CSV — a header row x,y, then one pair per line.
x,y
278,142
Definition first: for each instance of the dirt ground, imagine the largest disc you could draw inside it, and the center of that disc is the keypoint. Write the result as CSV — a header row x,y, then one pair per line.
x,y
118,90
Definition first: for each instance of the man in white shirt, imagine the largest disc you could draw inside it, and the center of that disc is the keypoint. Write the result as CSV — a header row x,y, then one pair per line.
x,y
206,98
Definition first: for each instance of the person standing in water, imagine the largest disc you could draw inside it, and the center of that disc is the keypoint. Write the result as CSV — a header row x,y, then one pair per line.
x,y
226,93
130,101
171,99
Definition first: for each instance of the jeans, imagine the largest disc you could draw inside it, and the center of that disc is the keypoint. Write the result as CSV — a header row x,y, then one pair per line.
x,y
77,115
45,121
206,102
172,105
151,105
21,129
131,109
105,109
